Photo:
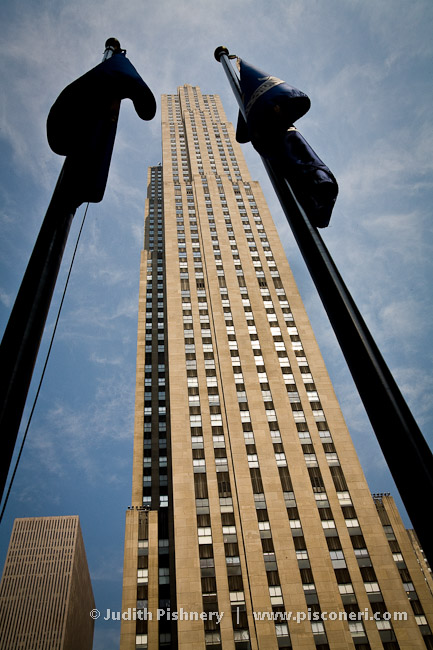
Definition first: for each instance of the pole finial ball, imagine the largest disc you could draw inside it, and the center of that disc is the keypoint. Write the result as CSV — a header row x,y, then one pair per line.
x,y
112,43
219,51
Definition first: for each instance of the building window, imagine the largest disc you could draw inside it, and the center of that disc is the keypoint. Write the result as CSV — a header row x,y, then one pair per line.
x,y
328,523
229,530
352,523
253,460
212,638
237,597
421,620
344,498
141,640
199,465
276,595
337,558
302,555
311,460
318,628
384,625
373,587
142,576
356,629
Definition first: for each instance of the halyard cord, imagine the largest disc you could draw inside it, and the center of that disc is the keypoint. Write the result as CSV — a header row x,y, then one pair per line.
x,y
45,365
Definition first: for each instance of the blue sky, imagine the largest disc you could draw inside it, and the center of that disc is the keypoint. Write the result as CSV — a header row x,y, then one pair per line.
x,y
367,67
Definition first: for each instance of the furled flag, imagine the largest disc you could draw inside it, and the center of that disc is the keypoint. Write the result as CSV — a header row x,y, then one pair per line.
x,y
82,123
271,107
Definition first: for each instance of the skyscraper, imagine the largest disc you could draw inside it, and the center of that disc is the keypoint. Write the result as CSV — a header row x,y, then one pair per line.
x,y
45,594
248,498
411,562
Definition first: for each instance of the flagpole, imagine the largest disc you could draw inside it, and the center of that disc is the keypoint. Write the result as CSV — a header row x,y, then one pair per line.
x,y
23,333
406,451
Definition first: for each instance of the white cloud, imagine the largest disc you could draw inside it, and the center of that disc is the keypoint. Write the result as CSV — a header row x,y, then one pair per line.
x,y
68,439
5,298
114,361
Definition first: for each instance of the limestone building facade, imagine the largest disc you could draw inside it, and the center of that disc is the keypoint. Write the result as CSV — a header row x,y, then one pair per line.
x,y
46,594
248,497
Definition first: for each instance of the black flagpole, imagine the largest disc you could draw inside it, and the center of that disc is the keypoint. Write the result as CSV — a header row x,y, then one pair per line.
x,y
23,333
406,452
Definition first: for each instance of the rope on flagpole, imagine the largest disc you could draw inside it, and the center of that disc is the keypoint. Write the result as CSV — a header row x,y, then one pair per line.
x,y
45,366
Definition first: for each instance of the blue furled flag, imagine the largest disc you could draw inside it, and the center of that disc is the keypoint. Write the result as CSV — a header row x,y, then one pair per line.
x,y
266,97
271,108
82,123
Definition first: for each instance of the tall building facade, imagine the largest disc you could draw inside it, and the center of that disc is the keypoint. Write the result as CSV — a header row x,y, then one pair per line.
x,y
415,571
251,524
45,594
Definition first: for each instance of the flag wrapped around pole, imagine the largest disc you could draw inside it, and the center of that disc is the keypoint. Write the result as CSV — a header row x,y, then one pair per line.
x,y
81,126
404,447
271,107
82,123
267,98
